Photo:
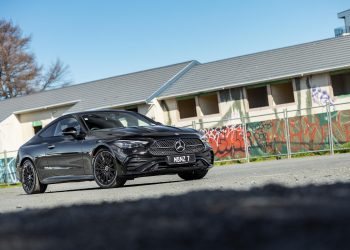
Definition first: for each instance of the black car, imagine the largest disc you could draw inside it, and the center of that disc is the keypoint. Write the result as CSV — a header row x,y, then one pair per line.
x,y
110,147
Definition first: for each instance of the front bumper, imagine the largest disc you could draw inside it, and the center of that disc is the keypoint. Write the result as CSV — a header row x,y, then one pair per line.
x,y
147,165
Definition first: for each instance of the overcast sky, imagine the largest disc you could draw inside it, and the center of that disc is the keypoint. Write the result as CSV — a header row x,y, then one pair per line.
x,y
101,38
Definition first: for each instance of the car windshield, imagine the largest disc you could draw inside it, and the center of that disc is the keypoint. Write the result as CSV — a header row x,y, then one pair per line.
x,y
106,120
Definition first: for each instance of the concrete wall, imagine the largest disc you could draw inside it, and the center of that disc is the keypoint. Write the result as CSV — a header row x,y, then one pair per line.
x,y
18,128
310,93
11,134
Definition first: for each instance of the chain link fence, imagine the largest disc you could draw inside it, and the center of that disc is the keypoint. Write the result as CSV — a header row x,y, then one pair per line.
x,y
277,134
8,167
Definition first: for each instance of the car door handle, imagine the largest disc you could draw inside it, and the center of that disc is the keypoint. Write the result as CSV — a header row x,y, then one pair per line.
x,y
51,147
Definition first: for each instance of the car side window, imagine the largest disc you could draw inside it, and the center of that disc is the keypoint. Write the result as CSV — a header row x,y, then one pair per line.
x,y
49,131
65,123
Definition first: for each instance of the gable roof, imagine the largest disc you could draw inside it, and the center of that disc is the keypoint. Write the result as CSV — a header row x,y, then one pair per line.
x,y
288,62
115,91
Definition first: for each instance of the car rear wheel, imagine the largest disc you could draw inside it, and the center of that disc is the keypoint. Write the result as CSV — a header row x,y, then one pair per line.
x,y
30,180
193,175
106,171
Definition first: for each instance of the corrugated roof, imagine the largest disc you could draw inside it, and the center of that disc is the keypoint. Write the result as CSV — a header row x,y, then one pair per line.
x,y
114,91
274,64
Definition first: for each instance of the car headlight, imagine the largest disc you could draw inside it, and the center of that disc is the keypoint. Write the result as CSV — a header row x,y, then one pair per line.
x,y
130,144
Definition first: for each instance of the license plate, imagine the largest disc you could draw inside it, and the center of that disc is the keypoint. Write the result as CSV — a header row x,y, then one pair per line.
x,y
181,159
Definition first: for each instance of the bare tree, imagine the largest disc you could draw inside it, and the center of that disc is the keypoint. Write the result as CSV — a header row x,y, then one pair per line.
x,y
17,66
19,72
56,76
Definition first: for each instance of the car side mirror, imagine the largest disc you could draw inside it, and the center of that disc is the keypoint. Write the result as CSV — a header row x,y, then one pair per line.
x,y
70,131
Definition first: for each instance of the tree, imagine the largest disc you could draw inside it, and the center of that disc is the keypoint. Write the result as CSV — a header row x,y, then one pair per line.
x,y
18,67
19,72
55,76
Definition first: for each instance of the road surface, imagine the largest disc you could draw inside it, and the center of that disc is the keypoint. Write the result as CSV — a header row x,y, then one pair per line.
x,y
294,172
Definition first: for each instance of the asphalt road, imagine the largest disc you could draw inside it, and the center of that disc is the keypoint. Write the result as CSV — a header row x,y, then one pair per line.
x,y
294,172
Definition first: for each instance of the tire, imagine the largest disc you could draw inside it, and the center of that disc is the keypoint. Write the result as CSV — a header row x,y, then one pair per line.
x,y
193,175
105,170
30,180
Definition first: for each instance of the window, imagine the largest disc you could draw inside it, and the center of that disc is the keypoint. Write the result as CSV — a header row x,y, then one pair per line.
x,y
187,108
282,93
66,123
106,120
257,97
37,126
49,131
341,84
209,104
37,129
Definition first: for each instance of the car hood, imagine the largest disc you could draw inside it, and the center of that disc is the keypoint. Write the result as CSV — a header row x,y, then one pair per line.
x,y
149,131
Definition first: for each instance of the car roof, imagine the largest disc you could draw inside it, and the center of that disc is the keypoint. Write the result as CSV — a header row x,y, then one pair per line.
x,y
98,111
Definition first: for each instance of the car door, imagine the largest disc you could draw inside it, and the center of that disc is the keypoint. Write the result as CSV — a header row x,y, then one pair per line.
x,y
64,152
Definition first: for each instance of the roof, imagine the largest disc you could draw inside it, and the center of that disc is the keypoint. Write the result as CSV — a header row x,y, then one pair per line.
x,y
115,91
288,62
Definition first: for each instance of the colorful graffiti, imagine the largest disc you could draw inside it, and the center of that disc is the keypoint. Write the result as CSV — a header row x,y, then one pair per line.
x,y
227,142
321,97
268,138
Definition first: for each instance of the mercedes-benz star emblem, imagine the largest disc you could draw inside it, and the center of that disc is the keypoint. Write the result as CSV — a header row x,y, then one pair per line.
x,y
180,146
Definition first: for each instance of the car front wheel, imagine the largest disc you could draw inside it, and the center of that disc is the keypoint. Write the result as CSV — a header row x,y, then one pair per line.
x,y
193,175
106,171
30,180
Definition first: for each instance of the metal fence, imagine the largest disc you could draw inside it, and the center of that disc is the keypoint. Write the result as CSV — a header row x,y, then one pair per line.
x,y
280,133
325,128
8,167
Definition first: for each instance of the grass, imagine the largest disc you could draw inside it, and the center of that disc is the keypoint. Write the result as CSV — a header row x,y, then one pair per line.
x,y
3,185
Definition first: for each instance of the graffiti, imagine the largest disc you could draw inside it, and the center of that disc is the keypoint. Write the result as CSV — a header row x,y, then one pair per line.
x,y
268,138
341,127
227,142
308,133
321,97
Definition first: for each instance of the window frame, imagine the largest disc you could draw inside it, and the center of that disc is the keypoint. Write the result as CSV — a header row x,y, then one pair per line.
x,y
336,73
55,123
178,109
198,108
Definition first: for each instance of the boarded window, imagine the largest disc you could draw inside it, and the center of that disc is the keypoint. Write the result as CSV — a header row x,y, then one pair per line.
x,y
187,108
257,97
231,94
282,93
341,84
209,104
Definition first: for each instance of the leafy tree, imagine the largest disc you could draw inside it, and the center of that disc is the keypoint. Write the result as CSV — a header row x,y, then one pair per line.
x,y
19,72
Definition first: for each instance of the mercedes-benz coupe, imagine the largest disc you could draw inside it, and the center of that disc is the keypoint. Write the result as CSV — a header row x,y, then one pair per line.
x,y
110,147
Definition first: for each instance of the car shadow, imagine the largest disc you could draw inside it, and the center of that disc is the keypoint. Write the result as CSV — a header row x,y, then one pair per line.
x,y
124,187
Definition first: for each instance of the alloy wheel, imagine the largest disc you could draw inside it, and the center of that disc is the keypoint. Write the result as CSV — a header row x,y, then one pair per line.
x,y
105,168
28,178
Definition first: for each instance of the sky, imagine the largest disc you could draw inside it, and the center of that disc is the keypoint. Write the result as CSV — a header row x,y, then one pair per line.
x,y
104,38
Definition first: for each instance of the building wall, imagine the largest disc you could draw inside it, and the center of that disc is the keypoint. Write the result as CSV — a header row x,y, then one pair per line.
x,y
18,128
11,134
310,95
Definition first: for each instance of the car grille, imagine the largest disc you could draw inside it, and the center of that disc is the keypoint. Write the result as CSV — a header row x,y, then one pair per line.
x,y
167,146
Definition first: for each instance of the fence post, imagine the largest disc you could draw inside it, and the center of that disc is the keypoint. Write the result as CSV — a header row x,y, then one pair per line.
x,y
194,124
245,138
5,167
287,135
330,129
